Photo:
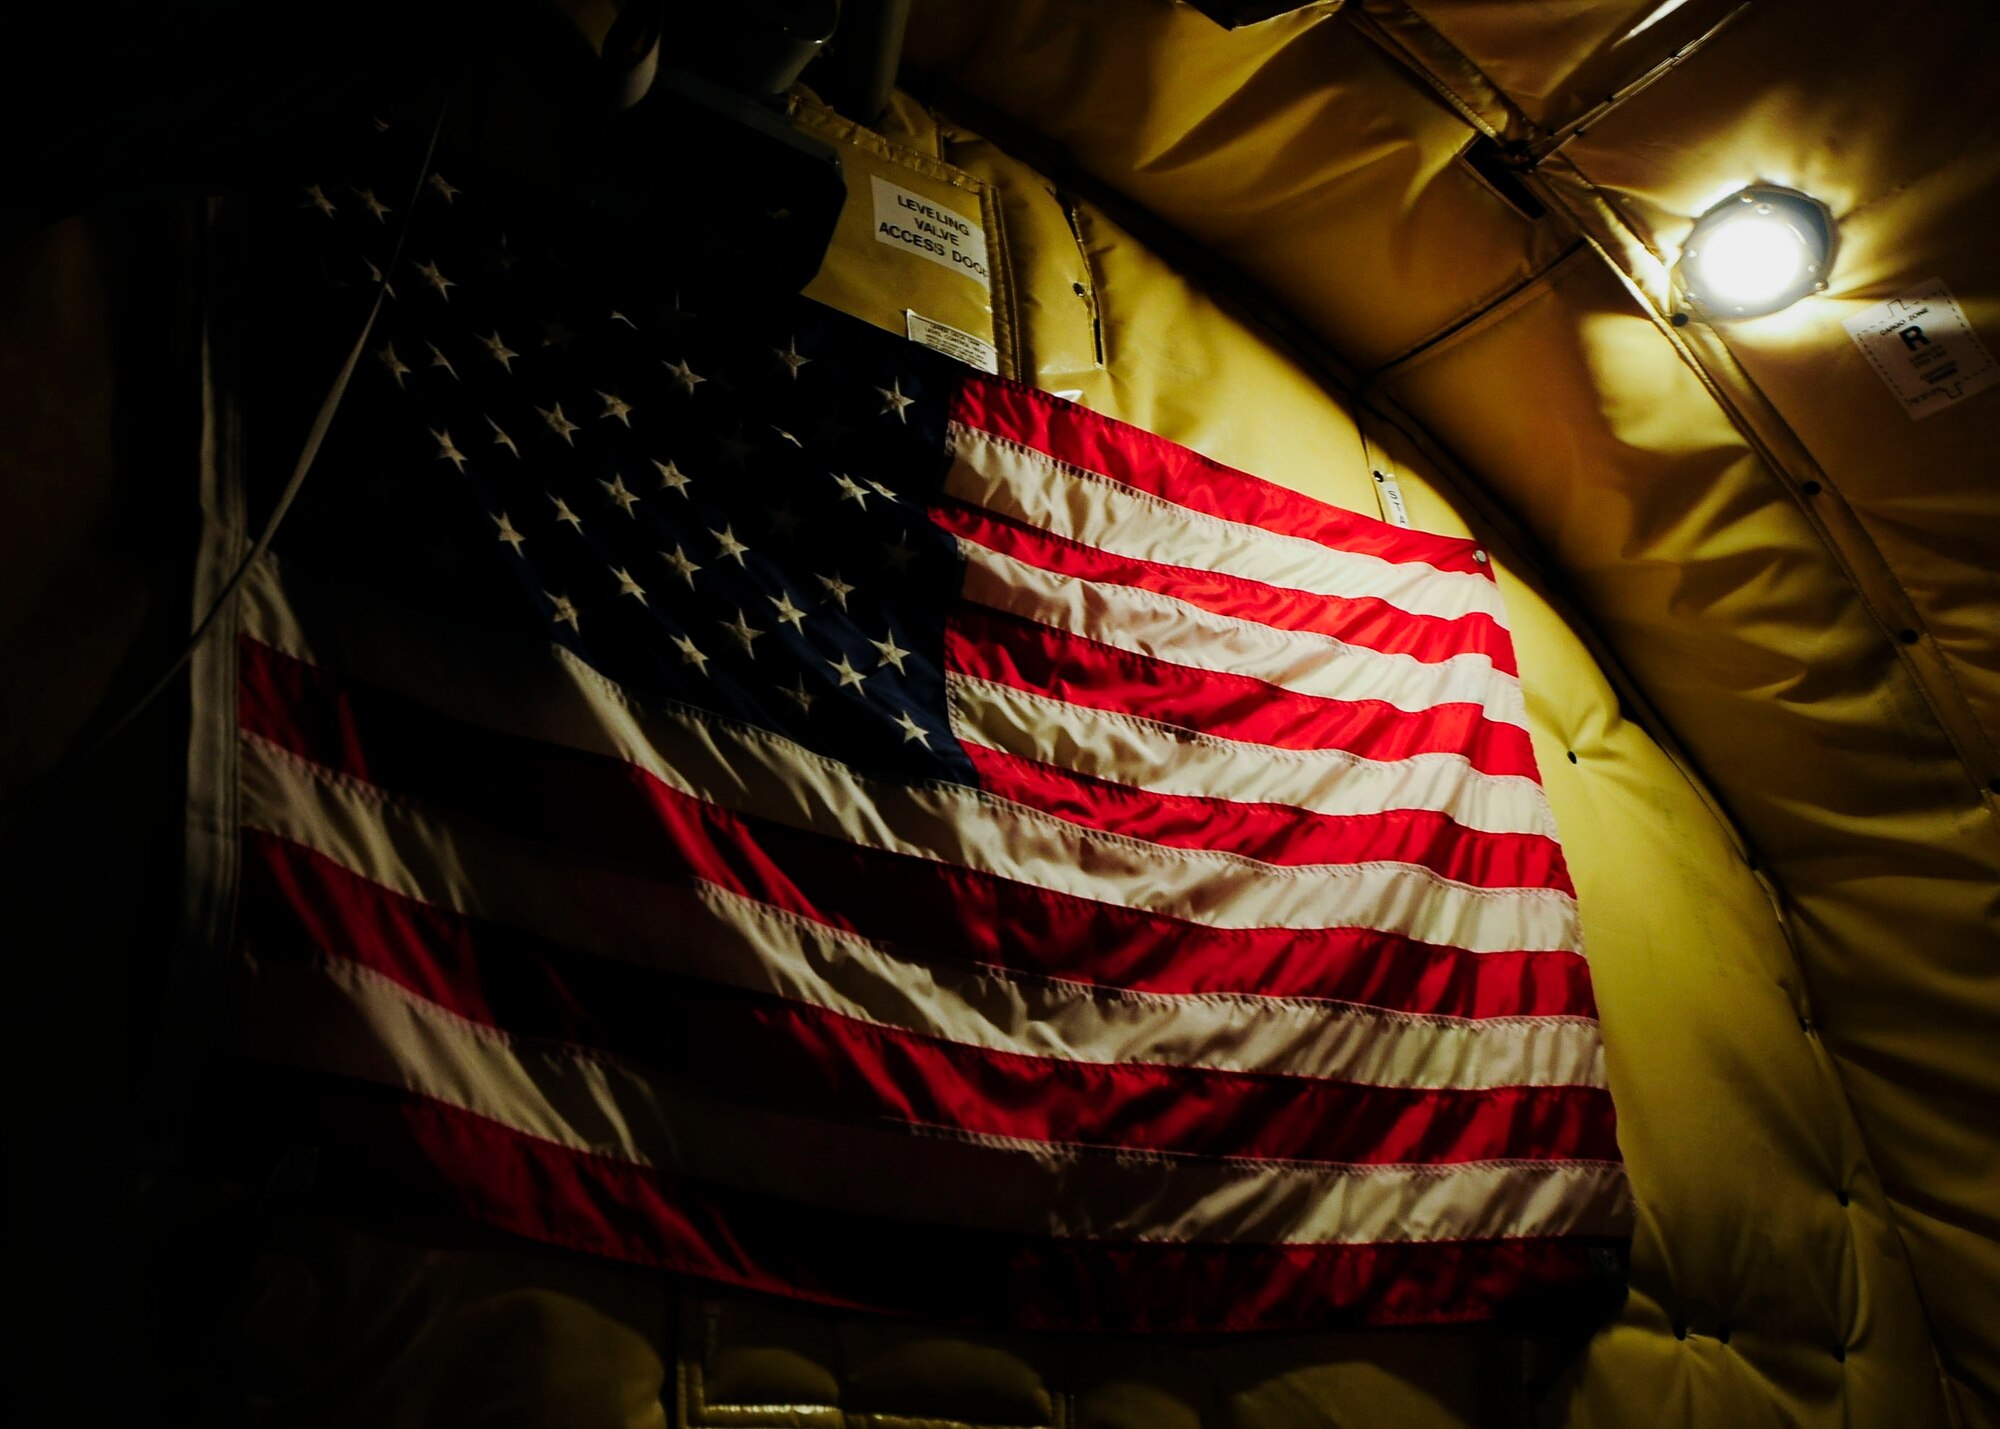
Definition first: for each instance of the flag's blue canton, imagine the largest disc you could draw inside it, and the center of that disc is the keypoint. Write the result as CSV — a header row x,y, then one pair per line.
x,y
702,500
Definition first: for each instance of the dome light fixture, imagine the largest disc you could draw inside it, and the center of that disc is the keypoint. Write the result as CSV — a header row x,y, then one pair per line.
x,y
1759,250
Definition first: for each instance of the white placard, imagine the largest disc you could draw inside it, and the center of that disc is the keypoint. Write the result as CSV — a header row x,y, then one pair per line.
x,y
1389,496
928,229
1924,350
972,351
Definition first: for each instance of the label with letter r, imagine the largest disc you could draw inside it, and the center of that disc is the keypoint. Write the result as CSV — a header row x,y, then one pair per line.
x,y
1924,350
930,230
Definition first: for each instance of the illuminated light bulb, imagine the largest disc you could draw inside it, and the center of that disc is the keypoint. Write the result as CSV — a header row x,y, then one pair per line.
x,y
1756,252
1750,260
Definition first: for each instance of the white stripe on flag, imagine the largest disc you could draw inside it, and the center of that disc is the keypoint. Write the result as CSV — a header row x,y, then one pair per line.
x,y
697,929
344,1019
1085,506
1167,759
1180,633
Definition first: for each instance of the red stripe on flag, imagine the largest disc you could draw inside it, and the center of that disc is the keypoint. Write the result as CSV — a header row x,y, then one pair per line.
x,y
807,1059
994,645
1276,834
601,807
394,1150
1149,463
1357,620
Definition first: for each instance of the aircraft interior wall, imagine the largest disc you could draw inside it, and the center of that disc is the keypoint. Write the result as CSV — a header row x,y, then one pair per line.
x,y
1755,604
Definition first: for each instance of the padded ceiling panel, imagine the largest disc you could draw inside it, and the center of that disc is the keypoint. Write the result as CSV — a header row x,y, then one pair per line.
x,y
1584,51
1303,156
1908,158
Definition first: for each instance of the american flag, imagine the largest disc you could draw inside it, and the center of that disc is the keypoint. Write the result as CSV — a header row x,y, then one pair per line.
x,y
725,788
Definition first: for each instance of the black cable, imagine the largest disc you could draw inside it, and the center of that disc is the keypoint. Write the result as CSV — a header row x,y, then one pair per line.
x,y
307,453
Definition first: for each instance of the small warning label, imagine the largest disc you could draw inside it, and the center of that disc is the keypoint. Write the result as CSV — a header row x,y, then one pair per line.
x,y
1924,350
1389,496
929,230
972,351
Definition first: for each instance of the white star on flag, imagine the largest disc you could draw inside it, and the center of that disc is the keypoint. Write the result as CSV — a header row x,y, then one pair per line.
x,y
891,652
741,630
628,586
386,355
728,545
847,673
784,520
620,496
685,375
499,351
837,590
788,614
446,450
893,401
690,654
436,279
559,424
798,694
672,478
680,562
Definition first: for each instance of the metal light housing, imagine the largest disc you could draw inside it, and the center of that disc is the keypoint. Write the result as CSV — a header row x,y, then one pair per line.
x,y
1759,250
